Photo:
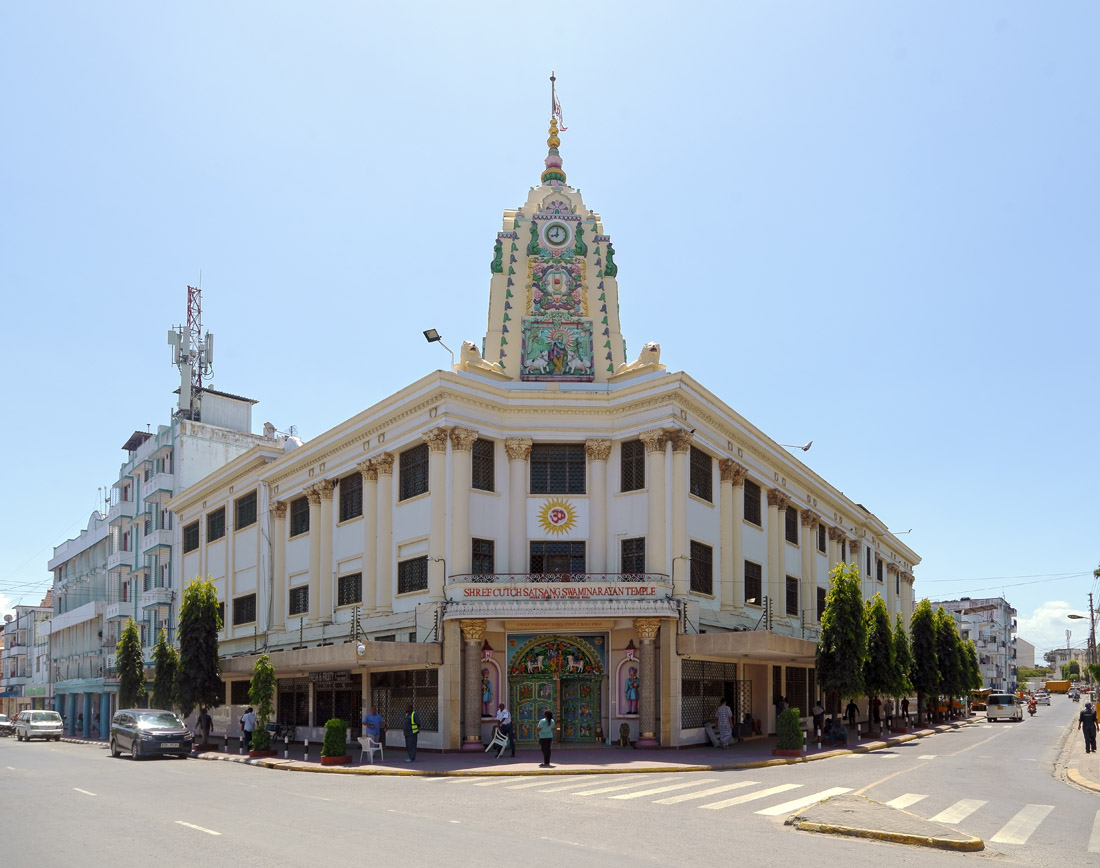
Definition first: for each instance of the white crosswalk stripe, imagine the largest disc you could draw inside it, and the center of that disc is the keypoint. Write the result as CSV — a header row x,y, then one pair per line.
x,y
602,790
799,804
665,789
687,797
750,797
905,801
495,781
1019,828
958,811
1094,838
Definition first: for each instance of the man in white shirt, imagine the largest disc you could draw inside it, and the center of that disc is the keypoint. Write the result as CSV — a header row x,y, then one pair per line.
x,y
248,724
504,719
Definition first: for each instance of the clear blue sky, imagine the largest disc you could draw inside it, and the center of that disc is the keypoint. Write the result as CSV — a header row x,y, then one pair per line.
x,y
868,224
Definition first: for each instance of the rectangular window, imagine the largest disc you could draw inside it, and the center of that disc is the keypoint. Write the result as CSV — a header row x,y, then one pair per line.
x,y
753,585
482,557
244,610
897,584
238,692
633,555
483,472
702,568
792,595
215,525
791,528
299,516
821,537
558,468
414,471
221,616
702,475
349,589
190,537
351,496
412,575
752,504
868,562
878,569
557,557
796,694
245,511
299,600
821,592
632,465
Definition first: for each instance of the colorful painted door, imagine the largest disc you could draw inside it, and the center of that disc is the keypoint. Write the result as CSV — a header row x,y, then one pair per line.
x,y
580,709
530,699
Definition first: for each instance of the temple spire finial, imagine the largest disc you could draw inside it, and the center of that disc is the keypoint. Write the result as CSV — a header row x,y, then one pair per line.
x,y
553,174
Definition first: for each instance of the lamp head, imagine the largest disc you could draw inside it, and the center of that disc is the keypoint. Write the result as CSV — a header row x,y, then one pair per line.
x,y
431,336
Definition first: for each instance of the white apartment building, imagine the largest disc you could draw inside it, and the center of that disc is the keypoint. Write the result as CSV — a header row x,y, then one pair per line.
x,y
991,623
24,658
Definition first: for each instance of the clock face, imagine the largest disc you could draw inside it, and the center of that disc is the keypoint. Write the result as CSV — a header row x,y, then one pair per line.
x,y
557,234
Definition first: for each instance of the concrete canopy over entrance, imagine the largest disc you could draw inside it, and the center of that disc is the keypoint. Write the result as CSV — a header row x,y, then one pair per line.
x,y
756,645
377,655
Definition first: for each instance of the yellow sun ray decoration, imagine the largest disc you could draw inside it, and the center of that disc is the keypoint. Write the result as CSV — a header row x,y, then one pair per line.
x,y
557,516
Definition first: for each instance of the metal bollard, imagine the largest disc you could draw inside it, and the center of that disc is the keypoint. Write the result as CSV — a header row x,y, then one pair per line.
x,y
803,741
307,750
859,732
818,733
240,746
286,744
225,745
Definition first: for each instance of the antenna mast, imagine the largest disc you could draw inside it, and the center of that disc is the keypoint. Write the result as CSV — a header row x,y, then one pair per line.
x,y
193,354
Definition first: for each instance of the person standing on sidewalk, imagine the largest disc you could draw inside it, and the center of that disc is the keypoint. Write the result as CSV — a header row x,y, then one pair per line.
x,y
725,723
248,725
851,711
411,728
374,725
546,737
1086,723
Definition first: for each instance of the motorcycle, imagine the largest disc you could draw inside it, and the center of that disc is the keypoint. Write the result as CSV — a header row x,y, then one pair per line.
x,y
1031,708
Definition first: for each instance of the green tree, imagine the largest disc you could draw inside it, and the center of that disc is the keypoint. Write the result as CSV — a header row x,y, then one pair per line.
x,y
949,655
261,691
164,674
1071,670
843,642
1094,671
973,670
130,662
924,674
903,661
879,676
199,679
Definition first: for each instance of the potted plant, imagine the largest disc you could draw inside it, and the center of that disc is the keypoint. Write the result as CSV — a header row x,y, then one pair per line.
x,y
260,692
788,728
334,749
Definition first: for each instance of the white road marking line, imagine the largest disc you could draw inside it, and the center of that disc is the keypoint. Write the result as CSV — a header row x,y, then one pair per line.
x,y
1094,838
611,789
494,782
85,792
674,800
928,756
11,768
665,789
198,828
799,804
308,796
750,797
1019,828
572,785
906,800
958,811
462,780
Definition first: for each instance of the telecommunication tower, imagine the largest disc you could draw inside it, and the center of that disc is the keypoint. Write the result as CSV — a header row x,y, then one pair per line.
x,y
193,354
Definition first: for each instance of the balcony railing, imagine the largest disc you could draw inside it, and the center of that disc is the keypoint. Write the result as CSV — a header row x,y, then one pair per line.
x,y
120,559
153,539
557,578
158,487
124,509
155,597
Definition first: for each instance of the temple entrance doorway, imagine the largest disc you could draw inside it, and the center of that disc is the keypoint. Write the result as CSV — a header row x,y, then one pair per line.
x,y
563,674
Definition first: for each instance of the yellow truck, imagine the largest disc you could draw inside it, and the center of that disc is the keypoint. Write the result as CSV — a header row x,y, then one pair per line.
x,y
1058,686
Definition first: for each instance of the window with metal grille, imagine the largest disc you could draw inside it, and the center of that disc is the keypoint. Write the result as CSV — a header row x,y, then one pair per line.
x,y
557,557
299,516
820,537
702,568
238,692
878,570
791,528
414,471
797,695
148,529
299,600
704,684
897,584
351,496
558,468
632,559
483,473
190,537
868,563
632,465
777,682
821,594
221,616
392,691
244,512
215,525
341,702
792,595
244,610
482,556
702,475
293,702
844,551
412,575
349,589
752,504
753,584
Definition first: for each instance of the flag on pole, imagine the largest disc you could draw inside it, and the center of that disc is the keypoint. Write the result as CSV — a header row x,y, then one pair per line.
x,y
555,108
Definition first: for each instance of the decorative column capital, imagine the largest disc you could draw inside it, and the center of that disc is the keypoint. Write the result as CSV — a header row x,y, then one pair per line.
x,y
853,547
836,534
462,439
733,472
778,498
313,494
809,518
325,487
597,449
518,448
647,628
436,439
473,629
654,440
368,470
681,439
383,463
891,569
278,508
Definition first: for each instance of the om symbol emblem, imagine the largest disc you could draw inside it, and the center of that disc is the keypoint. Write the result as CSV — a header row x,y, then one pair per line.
x,y
557,516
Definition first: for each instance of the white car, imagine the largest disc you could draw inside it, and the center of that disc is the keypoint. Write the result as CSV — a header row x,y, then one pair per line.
x,y
1001,706
1042,699
38,724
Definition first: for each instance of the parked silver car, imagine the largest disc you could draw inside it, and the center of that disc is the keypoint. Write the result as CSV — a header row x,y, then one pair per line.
x,y
38,724
149,732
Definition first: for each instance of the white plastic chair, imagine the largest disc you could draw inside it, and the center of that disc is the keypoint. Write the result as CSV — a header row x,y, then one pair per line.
x,y
499,740
369,747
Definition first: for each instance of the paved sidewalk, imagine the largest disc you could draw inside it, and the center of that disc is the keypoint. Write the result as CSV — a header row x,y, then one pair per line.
x,y
1081,768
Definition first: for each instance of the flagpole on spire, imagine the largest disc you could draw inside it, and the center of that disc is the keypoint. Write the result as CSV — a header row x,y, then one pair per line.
x,y
555,106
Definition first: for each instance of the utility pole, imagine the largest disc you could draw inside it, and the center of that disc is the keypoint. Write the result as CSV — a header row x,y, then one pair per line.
x,y
1092,638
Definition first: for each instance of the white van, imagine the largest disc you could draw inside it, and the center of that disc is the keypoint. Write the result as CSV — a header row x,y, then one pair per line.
x,y
1004,705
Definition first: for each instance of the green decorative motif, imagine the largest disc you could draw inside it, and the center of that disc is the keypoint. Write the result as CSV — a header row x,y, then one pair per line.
x,y
533,244
610,269
497,265
580,248
555,348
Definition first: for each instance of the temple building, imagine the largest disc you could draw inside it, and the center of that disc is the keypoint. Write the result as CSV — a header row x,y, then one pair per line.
x,y
549,524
